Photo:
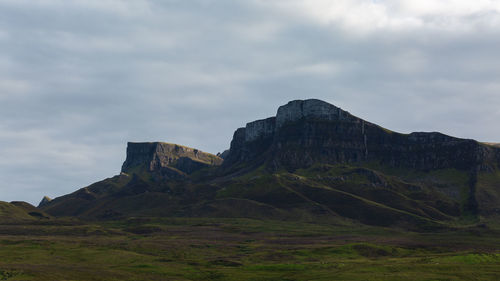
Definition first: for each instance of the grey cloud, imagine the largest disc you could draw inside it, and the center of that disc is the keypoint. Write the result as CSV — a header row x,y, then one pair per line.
x,y
80,79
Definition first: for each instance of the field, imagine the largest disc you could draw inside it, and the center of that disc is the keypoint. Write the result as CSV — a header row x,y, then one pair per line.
x,y
242,249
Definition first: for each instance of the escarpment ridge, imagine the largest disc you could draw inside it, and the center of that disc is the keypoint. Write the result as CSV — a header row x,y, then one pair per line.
x,y
307,131
311,161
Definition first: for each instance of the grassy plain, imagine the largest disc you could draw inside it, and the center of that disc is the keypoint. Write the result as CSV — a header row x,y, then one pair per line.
x,y
242,249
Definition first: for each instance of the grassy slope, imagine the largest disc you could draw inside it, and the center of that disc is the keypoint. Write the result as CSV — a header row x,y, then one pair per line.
x,y
203,157
9,211
242,249
20,211
375,195
488,193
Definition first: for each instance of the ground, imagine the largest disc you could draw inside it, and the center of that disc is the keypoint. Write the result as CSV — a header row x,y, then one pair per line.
x,y
242,249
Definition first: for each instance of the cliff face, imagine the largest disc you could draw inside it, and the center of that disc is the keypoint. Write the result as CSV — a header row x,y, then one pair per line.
x,y
166,160
309,131
260,129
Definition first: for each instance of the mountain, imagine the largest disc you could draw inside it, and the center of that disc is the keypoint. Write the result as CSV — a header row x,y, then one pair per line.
x,y
311,131
312,161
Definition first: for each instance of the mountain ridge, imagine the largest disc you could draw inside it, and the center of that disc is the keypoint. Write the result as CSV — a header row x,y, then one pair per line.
x,y
312,161
359,139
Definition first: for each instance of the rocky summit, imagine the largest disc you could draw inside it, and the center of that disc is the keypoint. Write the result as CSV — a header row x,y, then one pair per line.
x,y
311,161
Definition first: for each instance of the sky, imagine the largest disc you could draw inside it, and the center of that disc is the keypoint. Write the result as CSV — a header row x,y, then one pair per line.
x,y
81,78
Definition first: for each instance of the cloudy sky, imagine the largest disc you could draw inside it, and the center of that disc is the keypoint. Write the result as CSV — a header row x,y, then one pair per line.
x,y
80,78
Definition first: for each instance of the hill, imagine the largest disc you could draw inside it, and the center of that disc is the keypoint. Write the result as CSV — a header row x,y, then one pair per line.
x,y
20,212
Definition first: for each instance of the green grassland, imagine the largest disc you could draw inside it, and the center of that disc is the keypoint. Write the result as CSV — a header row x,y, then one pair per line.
x,y
327,222
242,249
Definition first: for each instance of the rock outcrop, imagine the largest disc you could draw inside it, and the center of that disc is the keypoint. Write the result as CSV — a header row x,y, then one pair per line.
x,y
309,131
166,160
224,154
45,200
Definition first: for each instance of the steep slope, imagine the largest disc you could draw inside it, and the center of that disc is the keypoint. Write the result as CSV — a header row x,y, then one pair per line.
x,y
312,161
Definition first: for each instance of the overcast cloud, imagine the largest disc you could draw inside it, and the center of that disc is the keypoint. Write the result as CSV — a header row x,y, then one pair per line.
x,y
78,79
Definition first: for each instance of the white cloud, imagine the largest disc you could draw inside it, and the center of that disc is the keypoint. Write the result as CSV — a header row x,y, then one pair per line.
x,y
444,7
361,16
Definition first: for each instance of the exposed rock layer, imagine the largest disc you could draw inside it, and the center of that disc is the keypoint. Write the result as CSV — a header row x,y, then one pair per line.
x,y
308,131
166,159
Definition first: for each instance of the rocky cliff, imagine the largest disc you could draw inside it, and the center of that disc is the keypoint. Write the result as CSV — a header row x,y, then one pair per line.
x,y
166,160
308,131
